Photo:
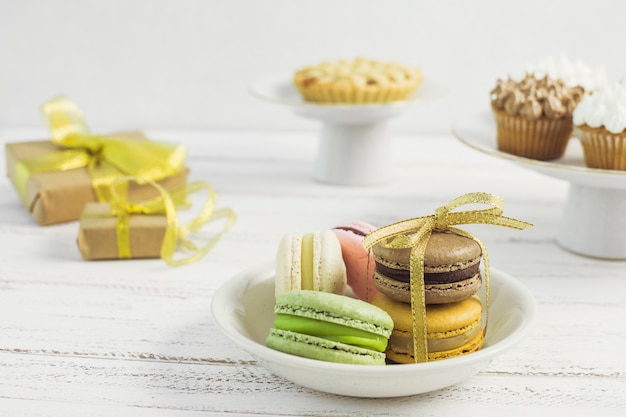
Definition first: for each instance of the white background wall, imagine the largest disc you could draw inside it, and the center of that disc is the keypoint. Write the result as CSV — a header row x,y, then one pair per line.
x,y
187,63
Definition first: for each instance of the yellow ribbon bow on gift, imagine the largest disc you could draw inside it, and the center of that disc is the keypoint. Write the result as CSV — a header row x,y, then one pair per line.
x,y
415,233
166,203
106,157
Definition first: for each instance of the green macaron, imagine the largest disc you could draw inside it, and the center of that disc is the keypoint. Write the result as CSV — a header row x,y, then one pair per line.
x,y
330,327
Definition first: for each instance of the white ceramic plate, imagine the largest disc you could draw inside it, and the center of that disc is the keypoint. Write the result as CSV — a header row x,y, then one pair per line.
x,y
243,308
479,132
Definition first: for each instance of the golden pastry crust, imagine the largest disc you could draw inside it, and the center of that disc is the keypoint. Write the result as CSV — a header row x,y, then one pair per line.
x,y
357,81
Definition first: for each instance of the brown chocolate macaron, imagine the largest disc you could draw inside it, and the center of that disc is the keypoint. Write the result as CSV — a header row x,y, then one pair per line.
x,y
451,269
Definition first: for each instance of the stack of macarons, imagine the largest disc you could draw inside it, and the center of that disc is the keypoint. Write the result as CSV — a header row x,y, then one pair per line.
x,y
315,318
453,310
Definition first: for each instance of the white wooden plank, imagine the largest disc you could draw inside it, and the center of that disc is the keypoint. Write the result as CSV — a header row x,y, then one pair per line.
x,y
253,390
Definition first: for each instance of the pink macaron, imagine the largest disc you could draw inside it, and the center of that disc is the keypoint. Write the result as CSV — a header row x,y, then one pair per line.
x,y
359,265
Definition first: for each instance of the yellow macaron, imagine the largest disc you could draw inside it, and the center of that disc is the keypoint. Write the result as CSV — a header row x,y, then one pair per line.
x,y
453,329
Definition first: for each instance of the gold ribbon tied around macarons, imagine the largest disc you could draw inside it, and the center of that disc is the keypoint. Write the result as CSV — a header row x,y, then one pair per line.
x,y
415,233
106,157
176,237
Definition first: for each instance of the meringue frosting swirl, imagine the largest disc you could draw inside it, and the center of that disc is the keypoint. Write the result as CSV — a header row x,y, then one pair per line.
x,y
605,107
534,98
571,72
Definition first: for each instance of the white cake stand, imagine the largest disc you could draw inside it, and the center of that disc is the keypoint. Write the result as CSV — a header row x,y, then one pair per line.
x,y
355,147
594,216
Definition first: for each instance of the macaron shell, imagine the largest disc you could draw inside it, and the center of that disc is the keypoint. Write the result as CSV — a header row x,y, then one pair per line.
x,y
360,265
454,291
442,320
472,346
329,273
321,349
288,260
443,248
433,293
337,309
446,320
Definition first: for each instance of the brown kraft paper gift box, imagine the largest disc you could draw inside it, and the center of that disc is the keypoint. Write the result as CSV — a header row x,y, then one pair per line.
x,y
97,237
60,196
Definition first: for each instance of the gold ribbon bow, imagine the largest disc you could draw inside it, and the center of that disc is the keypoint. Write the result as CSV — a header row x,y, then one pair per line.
x,y
415,233
106,157
166,203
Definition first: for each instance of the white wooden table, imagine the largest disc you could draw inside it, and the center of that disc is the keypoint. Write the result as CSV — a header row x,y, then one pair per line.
x,y
137,338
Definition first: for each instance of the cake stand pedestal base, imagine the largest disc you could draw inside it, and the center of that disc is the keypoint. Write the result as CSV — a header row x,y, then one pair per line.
x,y
354,154
354,148
594,222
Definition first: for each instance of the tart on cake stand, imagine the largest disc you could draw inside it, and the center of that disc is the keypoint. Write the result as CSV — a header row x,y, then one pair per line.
x,y
594,220
355,147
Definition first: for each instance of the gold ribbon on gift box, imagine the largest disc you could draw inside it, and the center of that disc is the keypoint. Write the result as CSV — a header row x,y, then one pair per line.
x,y
176,237
415,233
106,157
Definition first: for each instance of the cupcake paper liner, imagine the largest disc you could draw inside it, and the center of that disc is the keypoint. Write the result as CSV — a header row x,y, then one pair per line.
x,y
602,149
543,139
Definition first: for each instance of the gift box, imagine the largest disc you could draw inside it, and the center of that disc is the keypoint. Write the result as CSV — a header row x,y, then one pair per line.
x,y
98,236
126,229
60,196
57,177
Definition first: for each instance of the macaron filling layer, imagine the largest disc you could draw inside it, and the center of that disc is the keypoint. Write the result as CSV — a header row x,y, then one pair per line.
x,y
404,275
402,342
306,262
329,317
331,331
321,349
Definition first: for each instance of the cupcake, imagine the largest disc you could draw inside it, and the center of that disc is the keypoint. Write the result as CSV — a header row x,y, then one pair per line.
x,y
600,123
357,81
534,116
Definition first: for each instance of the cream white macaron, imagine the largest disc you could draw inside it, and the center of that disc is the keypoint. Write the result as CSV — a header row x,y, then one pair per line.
x,y
310,261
